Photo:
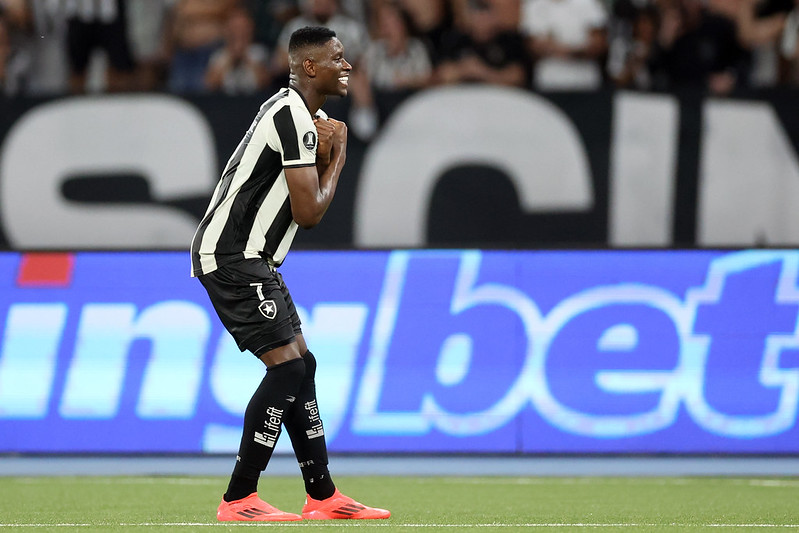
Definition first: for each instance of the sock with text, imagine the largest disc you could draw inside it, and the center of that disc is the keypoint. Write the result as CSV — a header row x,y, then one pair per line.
x,y
265,412
304,426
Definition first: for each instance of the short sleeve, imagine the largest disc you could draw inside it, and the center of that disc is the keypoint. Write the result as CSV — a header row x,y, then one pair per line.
x,y
296,135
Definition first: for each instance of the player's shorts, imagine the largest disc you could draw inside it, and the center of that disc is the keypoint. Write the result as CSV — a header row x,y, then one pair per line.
x,y
254,305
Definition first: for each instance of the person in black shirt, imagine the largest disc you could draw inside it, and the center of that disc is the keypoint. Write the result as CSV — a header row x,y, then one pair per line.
x,y
99,25
699,48
483,52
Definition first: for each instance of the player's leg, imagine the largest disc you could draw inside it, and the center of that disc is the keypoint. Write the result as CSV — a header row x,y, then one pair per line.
x,y
262,425
248,299
304,426
263,418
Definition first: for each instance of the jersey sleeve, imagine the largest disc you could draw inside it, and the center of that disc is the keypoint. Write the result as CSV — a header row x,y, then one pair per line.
x,y
296,136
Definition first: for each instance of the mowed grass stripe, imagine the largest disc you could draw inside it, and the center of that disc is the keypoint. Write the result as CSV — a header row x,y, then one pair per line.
x,y
154,503
389,524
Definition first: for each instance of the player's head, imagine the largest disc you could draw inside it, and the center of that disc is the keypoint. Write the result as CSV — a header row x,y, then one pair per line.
x,y
316,56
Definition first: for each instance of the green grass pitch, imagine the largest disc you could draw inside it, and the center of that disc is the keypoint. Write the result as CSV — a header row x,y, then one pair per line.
x,y
437,504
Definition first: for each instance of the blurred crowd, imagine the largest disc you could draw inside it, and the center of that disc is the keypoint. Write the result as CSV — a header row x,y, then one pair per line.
x,y
53,47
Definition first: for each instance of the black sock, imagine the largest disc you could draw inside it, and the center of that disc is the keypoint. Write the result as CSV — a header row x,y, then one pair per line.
x,y
240,487
304,427
262,420
318,483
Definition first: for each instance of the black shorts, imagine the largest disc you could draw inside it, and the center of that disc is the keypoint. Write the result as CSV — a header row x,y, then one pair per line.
x,y
254,305
84,37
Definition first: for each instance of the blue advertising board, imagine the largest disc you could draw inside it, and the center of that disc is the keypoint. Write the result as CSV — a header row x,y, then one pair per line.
x,y
419,351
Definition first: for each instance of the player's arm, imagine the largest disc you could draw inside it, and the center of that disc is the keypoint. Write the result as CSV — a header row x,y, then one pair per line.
x,y
311,188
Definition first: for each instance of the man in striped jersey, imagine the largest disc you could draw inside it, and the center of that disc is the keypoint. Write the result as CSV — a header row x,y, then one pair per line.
x,y
282,175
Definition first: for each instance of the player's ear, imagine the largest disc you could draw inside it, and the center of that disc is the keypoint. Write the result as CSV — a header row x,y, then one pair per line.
x,y
309,66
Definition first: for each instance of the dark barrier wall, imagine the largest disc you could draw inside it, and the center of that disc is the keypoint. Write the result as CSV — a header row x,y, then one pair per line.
x,y
419,351
467,166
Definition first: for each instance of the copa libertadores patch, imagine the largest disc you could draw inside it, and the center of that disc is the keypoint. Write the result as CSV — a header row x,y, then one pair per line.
x,y
309,140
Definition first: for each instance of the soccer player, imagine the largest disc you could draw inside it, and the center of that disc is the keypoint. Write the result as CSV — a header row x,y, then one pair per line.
x,y
282,175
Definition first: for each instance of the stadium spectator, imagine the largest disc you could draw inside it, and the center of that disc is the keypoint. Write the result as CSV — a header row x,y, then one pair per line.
x,y
432,21
568,42
270,17
396,60
699,47
13,62
147,31
196,32
719,45
632,46
42,28
760,25
99,26
484,51
241,66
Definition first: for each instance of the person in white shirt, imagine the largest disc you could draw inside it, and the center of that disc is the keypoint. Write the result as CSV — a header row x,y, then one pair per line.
x,y
240,67
396,60
567,39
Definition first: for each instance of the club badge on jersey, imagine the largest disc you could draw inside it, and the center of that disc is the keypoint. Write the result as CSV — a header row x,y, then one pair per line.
x,y
268,308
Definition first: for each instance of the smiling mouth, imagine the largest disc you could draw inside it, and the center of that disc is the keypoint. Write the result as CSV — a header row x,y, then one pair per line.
x,y
345,80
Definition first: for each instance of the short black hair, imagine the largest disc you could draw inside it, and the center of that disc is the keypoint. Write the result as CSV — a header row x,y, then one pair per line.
x,y
310,36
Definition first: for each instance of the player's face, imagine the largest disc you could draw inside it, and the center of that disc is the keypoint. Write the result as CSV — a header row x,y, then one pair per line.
x,y
333,71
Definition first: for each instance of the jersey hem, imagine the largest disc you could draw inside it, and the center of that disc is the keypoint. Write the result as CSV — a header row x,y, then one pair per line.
x,y
228,259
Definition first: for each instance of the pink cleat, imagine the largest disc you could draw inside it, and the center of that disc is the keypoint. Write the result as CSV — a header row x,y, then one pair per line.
x,y
339,506
252,509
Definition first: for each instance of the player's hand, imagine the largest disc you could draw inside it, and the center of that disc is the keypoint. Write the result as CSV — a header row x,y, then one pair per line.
x,y
339,135
325,130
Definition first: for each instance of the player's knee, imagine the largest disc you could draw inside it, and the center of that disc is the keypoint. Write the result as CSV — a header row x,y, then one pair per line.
x,y
310,364
290,371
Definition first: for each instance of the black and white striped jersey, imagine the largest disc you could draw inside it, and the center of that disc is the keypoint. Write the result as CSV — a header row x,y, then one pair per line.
x,y
250,213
